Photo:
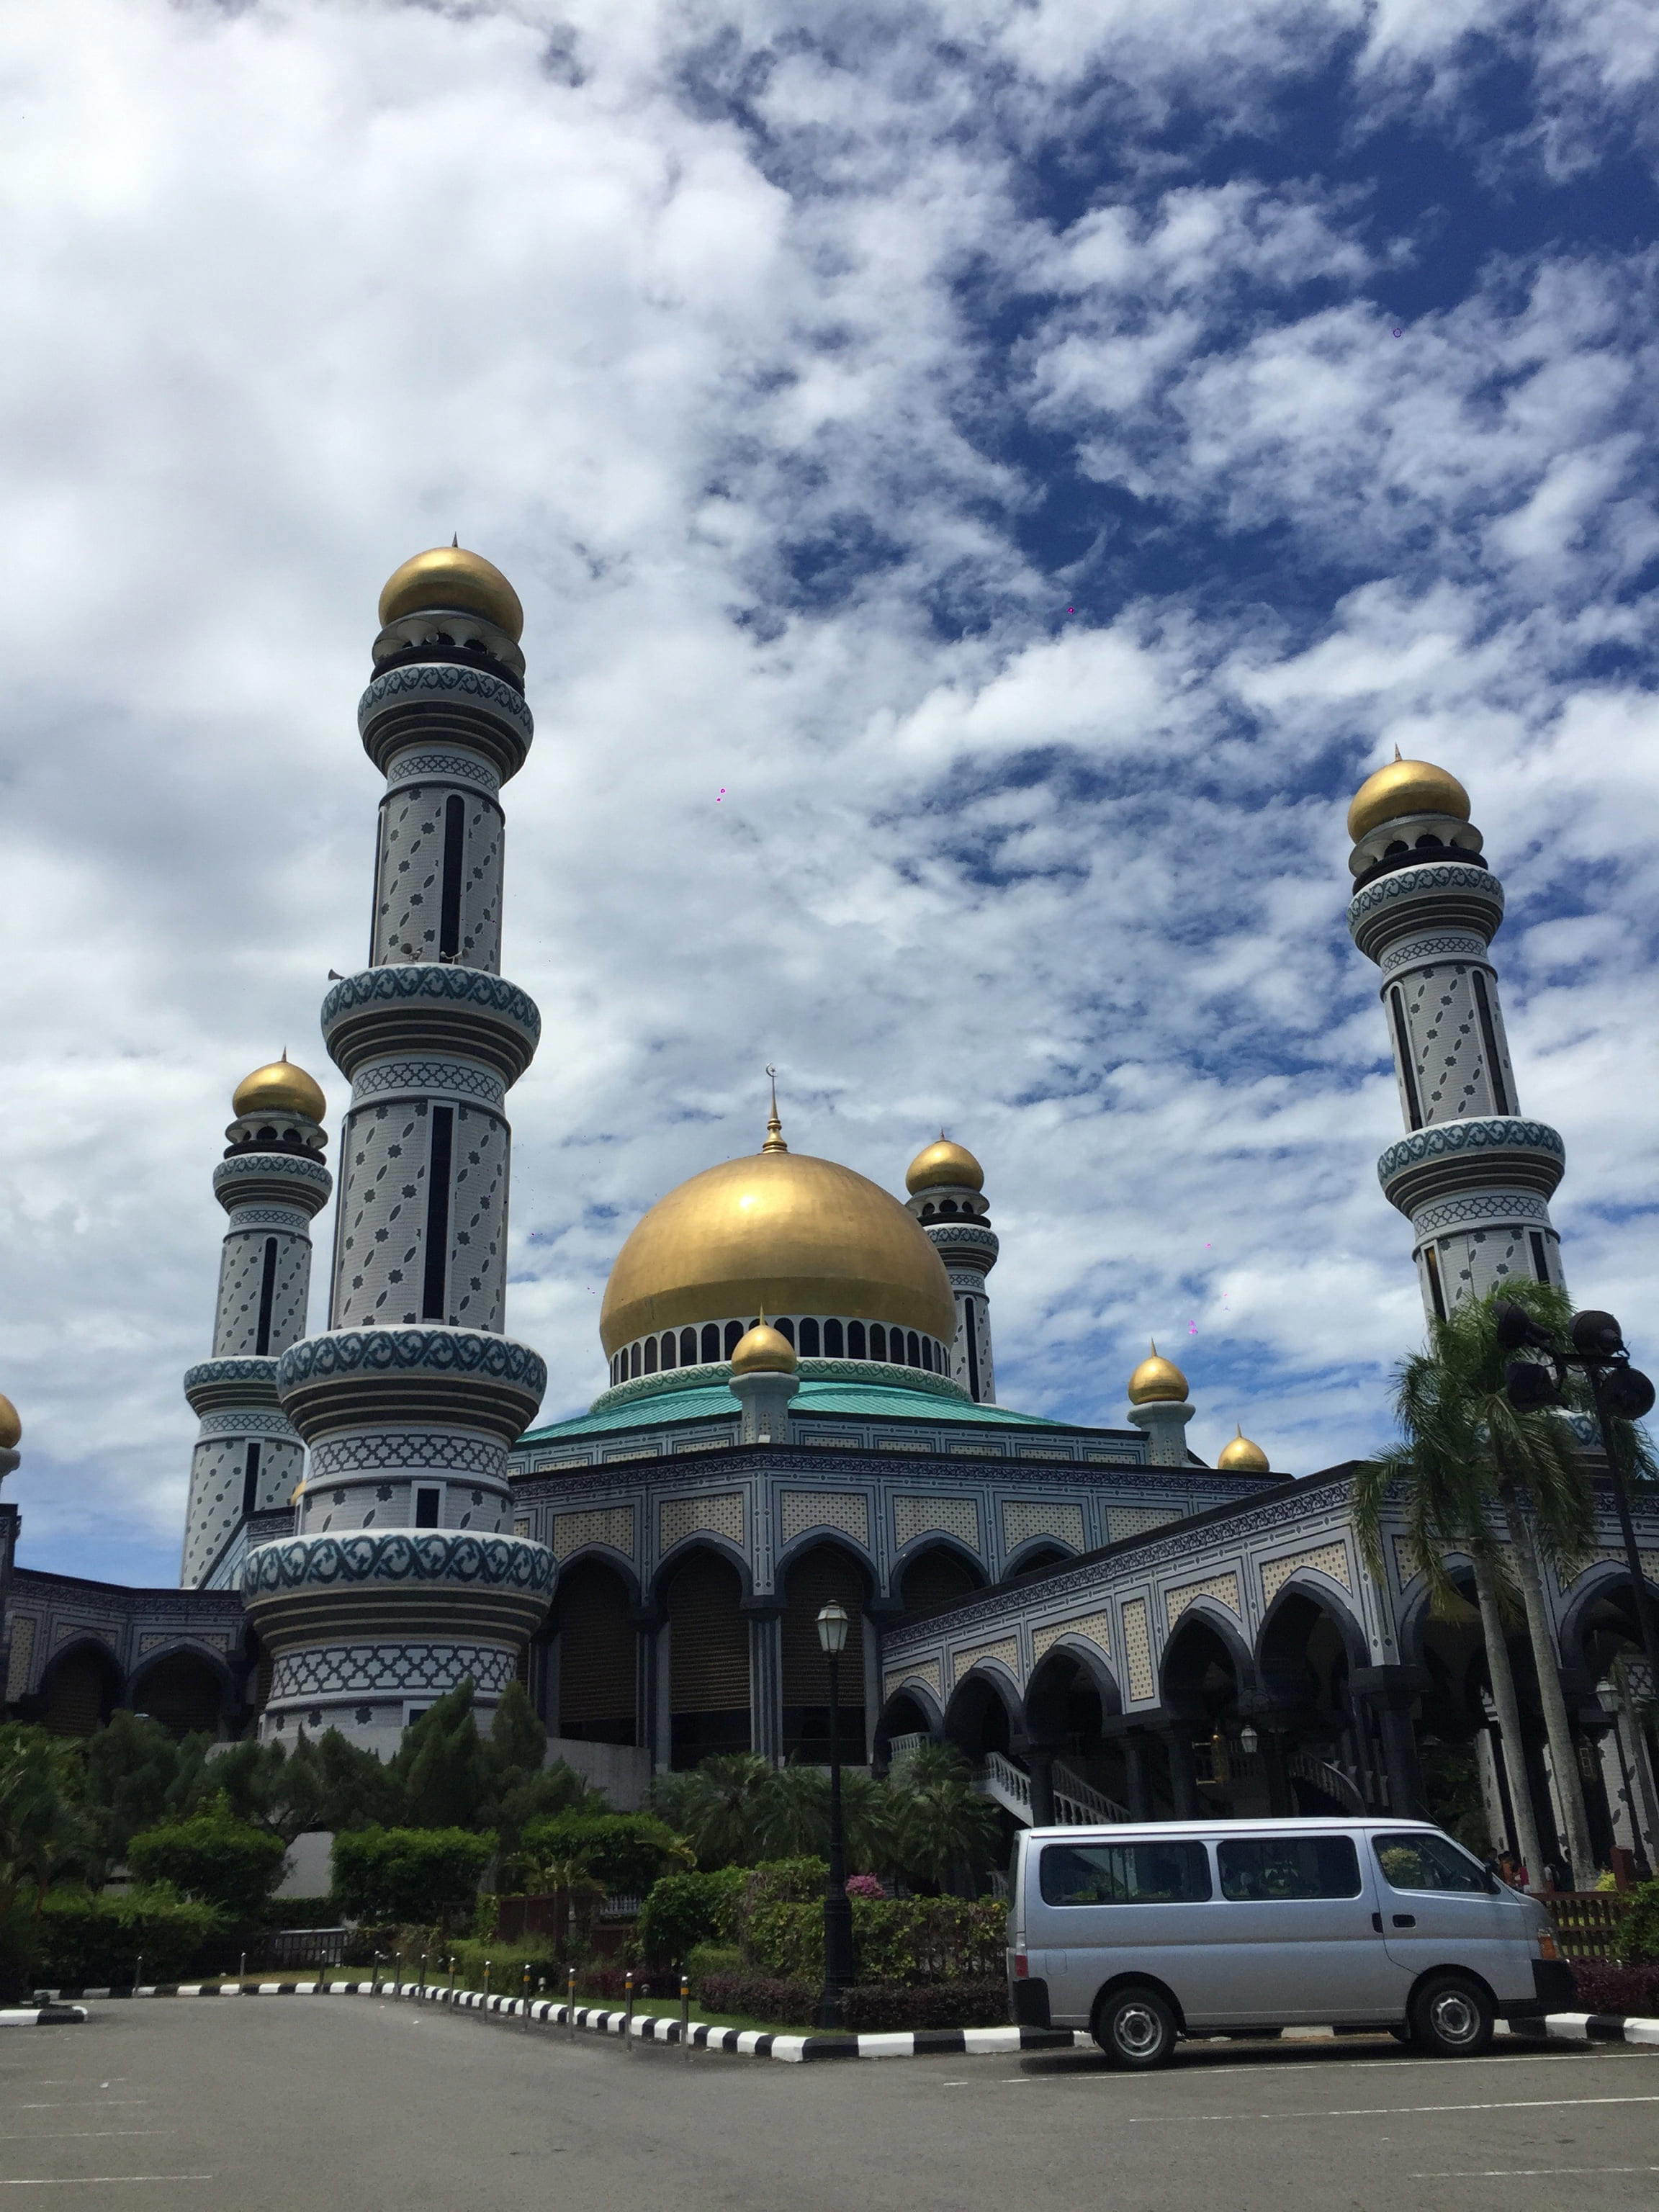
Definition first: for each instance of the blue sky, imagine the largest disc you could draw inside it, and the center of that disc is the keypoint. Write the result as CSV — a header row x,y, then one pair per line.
x,y
986,484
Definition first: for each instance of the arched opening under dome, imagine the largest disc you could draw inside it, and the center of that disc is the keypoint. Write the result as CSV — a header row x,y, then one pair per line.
x,y
937,1575
707,1659
814,1578
185,1692
598,1666
81,1689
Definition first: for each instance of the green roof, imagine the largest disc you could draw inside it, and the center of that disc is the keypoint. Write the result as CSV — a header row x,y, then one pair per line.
x,y
715,1402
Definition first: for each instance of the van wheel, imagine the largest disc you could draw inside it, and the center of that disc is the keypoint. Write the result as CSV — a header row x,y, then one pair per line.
x,y
1136,2028
1451,2017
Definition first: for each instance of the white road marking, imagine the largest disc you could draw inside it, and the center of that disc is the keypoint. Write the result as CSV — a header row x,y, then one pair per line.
x,y
75,2104
91,2180
1524,2173
1381,2111
82,2134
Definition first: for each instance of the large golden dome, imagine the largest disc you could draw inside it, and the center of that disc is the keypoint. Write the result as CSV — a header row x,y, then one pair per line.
x,y
943,1165
1405,787
281,1088
450,576
775,1232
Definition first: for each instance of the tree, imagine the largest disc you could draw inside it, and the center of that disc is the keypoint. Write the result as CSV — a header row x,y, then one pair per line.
x,y
720,1807
941,1822
423,1875
442,1764
43,1828
133,1768
1466,1450
216,1857
626,1852
793,1817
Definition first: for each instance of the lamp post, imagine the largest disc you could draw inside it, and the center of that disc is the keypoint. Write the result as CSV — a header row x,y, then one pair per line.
x,y
1619,1392
837,1905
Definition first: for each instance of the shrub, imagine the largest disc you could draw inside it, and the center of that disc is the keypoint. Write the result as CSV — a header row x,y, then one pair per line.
x,y
96,1942
910,1941
785,1882
419,1875
1638,1939
870,2007
682,1910
705,1959
221,1860
626,1852
1605,1988
762,1996
864,1885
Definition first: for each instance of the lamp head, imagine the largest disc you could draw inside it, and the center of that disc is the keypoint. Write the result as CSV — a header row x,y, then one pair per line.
x,y
1597,1336
832,1630
1248,1741
1516,1328
1627,1393
1530,1388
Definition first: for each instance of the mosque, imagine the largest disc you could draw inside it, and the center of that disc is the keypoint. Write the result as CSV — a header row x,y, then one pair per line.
x,y
801,1404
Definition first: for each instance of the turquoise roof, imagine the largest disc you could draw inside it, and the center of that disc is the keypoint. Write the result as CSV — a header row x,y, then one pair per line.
x,y
713,1402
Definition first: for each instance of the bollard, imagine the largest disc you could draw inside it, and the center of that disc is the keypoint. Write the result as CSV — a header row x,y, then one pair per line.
x,y
423,1973
138,1973
685,2015
452,1981
486,2001
397,1986
570,2000
375,1973
526,1996
241,1971
628,2016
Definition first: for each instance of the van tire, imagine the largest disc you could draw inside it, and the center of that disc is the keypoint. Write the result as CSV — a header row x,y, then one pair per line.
x,y
1452,2016
1135,2026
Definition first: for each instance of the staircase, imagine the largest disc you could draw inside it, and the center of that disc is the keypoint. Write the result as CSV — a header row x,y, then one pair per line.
x,y
1321,1774
1077,1803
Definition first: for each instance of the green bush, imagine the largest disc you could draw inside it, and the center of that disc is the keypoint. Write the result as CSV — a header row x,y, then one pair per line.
x,y
1638,1939
626,1852
785,1882
705,1959
217,1858
682,1910
506,1962
419,1875
911,1941
96,1942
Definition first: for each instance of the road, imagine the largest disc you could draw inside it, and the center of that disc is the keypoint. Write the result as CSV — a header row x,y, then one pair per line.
x,y
357,2104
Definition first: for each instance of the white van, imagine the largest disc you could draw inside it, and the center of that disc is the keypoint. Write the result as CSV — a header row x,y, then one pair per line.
x,y
1149,1932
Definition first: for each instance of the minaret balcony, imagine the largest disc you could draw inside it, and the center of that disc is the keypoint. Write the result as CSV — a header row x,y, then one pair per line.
x,y
440,704
396,1582
403,1377
429,1007
1479,1152
1440,894
215,1385
291,1179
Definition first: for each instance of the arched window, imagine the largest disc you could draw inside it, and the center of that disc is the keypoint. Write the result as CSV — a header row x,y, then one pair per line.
x,y
785,1329
596,1642
949,1207
928,1353
809,1340
670,1349
832,1339
913,1349
633,1361
878,1340
855,1340
650,1355
711,1340
688,1347
733,1336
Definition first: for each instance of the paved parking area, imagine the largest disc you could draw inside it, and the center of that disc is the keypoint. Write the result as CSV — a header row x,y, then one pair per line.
x,y
302,2104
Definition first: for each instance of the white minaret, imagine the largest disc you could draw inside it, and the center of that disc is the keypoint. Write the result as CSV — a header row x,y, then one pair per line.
x,y
1473,1177
945,1184
270,1181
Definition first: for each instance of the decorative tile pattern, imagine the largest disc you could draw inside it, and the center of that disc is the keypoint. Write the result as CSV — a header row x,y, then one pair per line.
x,y
1224,1588
604,1524
20,1658
801,1509
1022,1521
372,1451
720,1515
1649,1560
1123,1520
1006,1647
430,1556
924,1516
926,1671
67,1631
398,1666
215,1638
1330,1559
1092,1627
1138,1650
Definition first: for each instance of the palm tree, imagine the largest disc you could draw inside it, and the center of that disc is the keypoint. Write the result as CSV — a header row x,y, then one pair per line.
x,y
794,1817
941,1822
720,1808
1465,1448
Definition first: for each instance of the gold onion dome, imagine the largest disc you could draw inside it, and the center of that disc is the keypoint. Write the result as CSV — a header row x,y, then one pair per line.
x,y
763,1352
941,1164
1405,787
450,576
11,1429
1157,1379
779,1232
1243,1457
280,1088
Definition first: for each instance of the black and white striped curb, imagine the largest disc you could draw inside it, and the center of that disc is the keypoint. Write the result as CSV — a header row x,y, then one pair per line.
x,y
1590,2028
43,2016
646,2027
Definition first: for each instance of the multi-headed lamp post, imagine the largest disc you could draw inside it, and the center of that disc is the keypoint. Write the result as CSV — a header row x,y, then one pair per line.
x,y
832,1624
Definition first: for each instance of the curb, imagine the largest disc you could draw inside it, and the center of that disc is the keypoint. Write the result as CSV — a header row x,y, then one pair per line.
x,y
45,2016
644,2027
1589,2027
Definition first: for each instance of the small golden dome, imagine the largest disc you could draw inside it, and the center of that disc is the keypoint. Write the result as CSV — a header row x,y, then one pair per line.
x,y
1157,1380
11,1429
943,1164
281,1088
450,576
763,1352
1405,787
1243,1457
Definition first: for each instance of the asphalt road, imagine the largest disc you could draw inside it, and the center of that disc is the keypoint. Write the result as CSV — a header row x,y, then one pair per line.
x,y
355,2105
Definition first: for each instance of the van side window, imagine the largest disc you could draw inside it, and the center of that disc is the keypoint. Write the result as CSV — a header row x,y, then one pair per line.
x,y
1124,1873
1269,1867
1420,1861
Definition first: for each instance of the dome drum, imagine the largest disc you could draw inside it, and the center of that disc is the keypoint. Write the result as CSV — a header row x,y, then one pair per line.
x,y
449,634
709,1346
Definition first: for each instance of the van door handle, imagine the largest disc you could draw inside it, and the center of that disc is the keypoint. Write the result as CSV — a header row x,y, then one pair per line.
x,y
1405,1920
1377,1922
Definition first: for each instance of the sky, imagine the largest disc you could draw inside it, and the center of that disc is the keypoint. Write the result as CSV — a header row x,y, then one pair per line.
x,y
986,483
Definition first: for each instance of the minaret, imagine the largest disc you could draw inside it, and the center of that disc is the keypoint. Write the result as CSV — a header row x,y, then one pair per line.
x,y
272,1180
945,1183
400,1581
1473,1178
1160,1409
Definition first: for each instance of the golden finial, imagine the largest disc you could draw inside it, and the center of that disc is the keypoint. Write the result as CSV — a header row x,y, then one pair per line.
x,y
774,1127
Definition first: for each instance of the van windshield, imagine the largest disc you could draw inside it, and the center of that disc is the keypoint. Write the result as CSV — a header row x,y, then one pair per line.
x,y
1124,1873
1426,1861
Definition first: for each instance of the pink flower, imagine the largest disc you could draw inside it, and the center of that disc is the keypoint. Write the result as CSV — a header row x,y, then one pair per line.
x,y
864,1885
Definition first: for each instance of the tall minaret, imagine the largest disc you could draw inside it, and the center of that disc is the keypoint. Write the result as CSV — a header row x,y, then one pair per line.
x,y
400,1582
945,1183
1473,1176
270,1181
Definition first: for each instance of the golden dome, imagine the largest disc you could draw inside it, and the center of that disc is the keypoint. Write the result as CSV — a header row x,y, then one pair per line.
x,y
1157,1380
281,1088
450,576
943,1164
1405,787
1243,1457
11,1429
775,1231
763,1352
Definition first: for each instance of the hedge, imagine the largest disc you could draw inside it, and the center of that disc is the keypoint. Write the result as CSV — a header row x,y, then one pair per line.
x,y
684,1910
627,1852
868,2007
1603,1987
222,1860
96,1942
412,1875
1638,1936
908,1941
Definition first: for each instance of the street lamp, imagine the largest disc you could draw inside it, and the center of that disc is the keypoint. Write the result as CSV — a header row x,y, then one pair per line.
x,y
1249,1742
832,1624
